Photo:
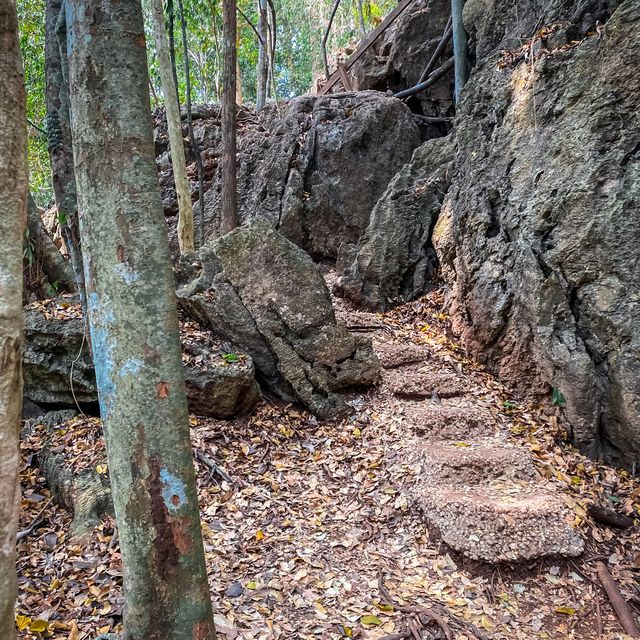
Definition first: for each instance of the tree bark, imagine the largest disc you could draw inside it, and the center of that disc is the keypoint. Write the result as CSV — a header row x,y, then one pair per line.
x,y
54,266
460,49
59,134
363,29
194,143
325,38
229,215
14,185
186,240
134,326
263,56
171,21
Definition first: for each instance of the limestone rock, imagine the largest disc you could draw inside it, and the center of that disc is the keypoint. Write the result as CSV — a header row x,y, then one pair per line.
x,y
262,292
539,234
395,261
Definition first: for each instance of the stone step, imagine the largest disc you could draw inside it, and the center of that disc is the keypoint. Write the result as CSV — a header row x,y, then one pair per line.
x,y
449,419
500,523
418,384
393,356
443,463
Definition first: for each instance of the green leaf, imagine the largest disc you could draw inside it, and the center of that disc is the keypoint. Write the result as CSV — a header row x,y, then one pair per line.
x,y
373,621
558,398
230,358
507,404
62,218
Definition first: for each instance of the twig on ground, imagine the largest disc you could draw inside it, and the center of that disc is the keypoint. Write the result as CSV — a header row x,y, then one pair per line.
x,y
34,523
619,604
214,467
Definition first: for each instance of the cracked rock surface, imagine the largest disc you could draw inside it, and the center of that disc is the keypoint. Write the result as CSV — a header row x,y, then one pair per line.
x,y
262,292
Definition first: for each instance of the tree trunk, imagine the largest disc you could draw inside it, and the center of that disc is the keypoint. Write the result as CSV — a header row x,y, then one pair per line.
x,y
460,49
171,21
174,124
58,271
325,38
134,326
229,217
263,56
59,134
363,29
194,143
239,91
14,184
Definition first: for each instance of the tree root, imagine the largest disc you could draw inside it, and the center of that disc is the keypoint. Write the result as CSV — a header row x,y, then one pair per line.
x,y
421,617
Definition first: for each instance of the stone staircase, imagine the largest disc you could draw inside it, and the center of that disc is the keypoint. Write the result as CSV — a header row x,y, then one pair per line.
x,y
480,494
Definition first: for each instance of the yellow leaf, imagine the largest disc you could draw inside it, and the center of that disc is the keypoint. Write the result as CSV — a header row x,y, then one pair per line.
x,y
347,632
356,433
259,535
320,608
461,444
568,611
486,624
252,585
22,622
38,626
373,621
384,607
101,469
73,633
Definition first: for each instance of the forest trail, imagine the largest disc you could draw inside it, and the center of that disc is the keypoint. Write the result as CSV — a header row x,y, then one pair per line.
x,y
319,524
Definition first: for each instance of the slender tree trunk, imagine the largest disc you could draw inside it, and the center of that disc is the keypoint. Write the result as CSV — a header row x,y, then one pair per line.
x,y
263,56
192,136
363,29
59,134
134,326
325,38
174,124
229,217
171,21
59,272
14,184
239,91
460,49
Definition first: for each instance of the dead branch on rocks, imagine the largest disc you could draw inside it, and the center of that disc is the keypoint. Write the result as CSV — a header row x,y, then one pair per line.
x,y
34,523
609,517
214,468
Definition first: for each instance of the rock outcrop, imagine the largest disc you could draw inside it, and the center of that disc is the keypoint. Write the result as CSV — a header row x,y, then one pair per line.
x,y
264,293
540,230
314,169
58,370
395,261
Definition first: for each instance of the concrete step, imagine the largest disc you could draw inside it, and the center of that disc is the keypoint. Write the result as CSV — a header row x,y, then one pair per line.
x,y
445,463
419,384
509,522
449,419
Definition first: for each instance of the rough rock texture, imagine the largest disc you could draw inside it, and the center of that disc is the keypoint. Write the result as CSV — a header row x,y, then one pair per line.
x,y
314,171
51,346
262,292
54,346
397,59
395,261
540,230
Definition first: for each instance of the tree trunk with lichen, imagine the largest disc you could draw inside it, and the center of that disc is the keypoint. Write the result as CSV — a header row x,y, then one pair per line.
x,y
134,326
14,185
263,56
174,124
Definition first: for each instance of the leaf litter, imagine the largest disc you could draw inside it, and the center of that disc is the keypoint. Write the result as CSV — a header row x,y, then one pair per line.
x,y
309,535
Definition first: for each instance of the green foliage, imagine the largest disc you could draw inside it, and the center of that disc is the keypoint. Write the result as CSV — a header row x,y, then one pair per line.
x,y
230,358
508,404
300,28
557,398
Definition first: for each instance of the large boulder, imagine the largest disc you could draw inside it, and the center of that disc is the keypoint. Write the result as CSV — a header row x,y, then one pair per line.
x,y
314,167
264,293
540,230
58,368
395,261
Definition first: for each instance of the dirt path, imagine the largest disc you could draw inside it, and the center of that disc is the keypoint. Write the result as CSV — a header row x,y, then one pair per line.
x,y
318,514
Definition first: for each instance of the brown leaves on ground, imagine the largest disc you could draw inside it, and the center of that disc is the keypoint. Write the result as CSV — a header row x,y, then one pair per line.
x,y
296,541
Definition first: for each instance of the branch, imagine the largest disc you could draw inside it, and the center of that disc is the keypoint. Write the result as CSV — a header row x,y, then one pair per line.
x,y
619,603
336,4
248,21
36,127
446,36
34,523
432,79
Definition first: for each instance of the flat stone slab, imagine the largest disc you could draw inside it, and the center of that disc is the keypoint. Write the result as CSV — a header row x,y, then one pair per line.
x,y
508,523
444,463
417,384
392,356
452,419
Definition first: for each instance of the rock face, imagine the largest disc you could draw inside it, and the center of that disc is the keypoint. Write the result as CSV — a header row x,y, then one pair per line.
x,y
395,261
218,386
399,56
314,170
262,292
540,230
51,347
